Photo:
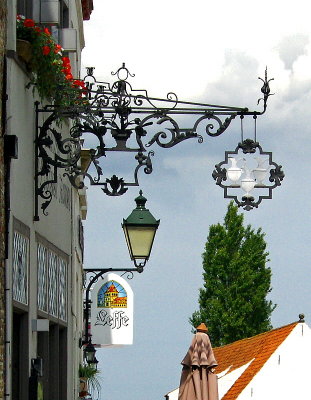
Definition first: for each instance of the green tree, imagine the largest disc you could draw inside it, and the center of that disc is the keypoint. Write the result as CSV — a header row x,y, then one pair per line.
x,y
233,302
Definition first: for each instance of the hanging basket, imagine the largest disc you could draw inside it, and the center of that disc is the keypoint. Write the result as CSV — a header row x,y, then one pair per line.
x,y
24,50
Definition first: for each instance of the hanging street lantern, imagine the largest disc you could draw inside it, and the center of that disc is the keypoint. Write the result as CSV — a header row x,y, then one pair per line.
x,y
89,353
140,228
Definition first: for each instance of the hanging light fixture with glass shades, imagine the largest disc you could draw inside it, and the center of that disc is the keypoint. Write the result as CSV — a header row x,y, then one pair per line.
x,y
248,174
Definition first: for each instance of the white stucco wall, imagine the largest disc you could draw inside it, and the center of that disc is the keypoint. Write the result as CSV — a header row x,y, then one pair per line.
x,y
226,378
286,375
60,227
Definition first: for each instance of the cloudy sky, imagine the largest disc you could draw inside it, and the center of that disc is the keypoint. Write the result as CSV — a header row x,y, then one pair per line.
x,y
212,53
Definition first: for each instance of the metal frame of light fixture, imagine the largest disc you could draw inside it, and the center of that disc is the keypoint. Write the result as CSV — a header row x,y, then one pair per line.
x,y
123,112
220,175
140,217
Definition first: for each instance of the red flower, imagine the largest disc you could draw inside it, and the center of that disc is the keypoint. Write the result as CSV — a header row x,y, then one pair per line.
x,y
45,30
67,70
46,50
69,77
57,48
66,61
82,84
29,23
37,29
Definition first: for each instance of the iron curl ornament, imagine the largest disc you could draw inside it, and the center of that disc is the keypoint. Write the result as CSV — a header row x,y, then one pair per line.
x,y
115,117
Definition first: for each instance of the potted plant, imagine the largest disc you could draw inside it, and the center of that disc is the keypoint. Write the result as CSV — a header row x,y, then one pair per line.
x,y
51,71
88,380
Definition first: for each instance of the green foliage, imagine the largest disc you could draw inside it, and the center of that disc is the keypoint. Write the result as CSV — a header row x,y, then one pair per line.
x,y
90,374
51,72
236,282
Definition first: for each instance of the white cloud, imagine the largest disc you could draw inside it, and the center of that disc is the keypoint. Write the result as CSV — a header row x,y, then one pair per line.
x,y
291,48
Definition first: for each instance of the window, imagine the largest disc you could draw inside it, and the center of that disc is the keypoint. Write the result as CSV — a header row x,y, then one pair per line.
x,y
24,7
52,282
20,262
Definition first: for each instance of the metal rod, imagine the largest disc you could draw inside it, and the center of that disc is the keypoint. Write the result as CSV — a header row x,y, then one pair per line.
x,y
36,216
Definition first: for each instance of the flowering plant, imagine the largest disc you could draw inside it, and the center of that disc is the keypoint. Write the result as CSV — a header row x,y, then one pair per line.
x,y
51,71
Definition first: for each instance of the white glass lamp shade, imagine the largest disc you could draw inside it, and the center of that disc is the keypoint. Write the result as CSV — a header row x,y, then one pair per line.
x,y
234,172
248,184
260,172
260,175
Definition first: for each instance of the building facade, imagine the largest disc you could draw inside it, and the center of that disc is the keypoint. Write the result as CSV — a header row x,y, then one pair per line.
x,y
44,261
3,19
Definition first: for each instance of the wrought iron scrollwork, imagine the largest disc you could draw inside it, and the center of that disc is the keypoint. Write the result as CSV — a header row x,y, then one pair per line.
x,y
128,118
243,177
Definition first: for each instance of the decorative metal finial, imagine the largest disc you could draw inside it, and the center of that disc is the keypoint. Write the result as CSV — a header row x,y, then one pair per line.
x,y
265,90
301,318
123,70
90,71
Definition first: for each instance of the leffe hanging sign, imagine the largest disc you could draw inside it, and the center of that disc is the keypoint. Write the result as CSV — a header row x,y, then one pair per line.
x,y
112,312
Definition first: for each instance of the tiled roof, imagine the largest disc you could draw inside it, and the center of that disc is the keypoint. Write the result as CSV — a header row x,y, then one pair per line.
x,y
257,348
112,289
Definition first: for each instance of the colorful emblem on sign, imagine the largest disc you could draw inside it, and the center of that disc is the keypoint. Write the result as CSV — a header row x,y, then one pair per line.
x,y
112,295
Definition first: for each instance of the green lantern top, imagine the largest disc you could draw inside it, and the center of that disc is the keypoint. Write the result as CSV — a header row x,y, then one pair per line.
x,y
141,216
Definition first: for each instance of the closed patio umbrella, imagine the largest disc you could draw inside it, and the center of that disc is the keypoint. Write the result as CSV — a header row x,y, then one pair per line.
x,y
197,381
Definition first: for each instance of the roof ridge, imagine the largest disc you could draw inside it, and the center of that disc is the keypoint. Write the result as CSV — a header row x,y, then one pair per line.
x,y
258,362
258,334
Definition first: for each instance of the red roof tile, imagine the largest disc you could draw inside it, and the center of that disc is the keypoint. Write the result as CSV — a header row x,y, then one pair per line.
x,y
257,348
112,289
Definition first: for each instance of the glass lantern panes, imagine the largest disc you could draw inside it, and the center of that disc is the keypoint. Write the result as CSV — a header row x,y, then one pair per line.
x,y
20,268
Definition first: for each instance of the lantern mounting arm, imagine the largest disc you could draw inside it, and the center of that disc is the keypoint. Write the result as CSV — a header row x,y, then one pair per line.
x,y
97,273
119,119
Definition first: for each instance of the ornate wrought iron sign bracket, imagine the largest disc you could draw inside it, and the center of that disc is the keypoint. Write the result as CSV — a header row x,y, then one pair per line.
x,y
117,118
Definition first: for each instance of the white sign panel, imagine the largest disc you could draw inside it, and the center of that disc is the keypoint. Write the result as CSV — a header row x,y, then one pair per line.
x,y
112,312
